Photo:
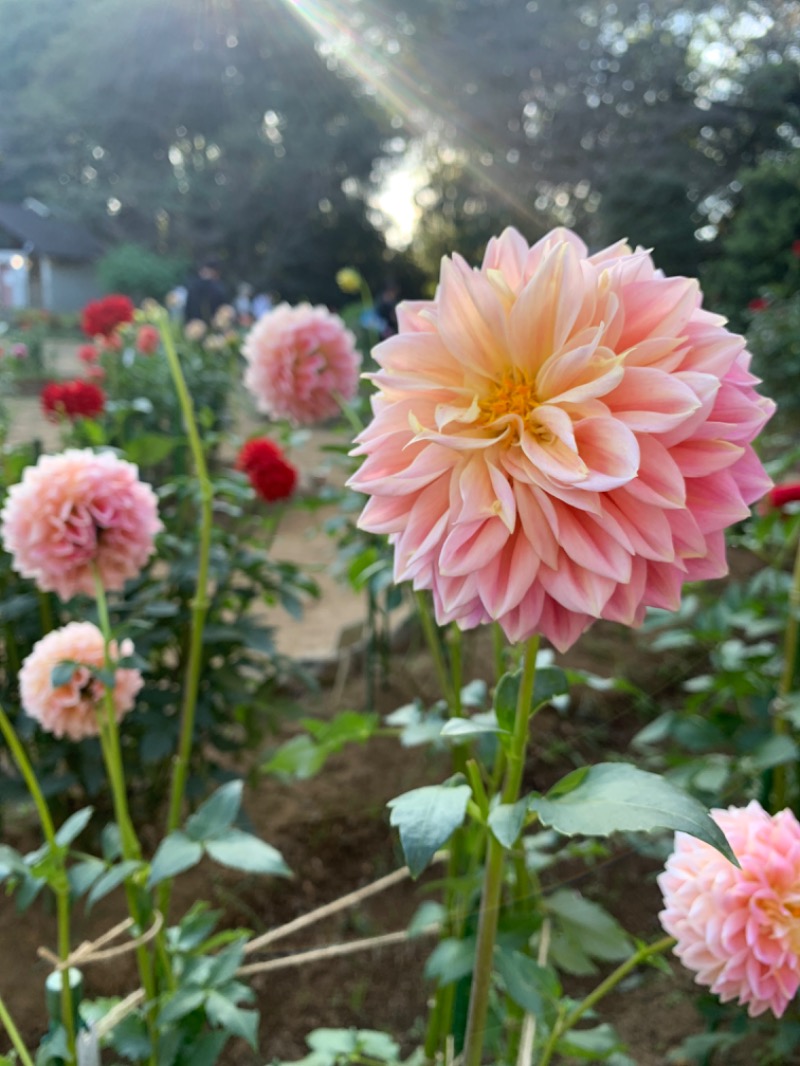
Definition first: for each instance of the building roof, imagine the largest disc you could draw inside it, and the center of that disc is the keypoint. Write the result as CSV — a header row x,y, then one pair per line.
x,y
47,235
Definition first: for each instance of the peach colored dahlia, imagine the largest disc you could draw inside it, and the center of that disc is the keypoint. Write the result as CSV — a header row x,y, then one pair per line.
x,y
71,710
739,930
301,361
559,437
77,510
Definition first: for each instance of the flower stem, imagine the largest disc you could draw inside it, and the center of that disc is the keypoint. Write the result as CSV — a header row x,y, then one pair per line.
x,y
431,635
13,1033
200,603
563,1026
61,883
495,861
790,644
131,848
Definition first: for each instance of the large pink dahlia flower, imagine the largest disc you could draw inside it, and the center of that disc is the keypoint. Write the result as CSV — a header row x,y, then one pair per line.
x,y
739,930
72,710
75,511
559,437
301,362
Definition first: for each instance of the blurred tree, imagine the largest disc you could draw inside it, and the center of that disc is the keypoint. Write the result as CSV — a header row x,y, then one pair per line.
x,y
759,249
137,272
193,128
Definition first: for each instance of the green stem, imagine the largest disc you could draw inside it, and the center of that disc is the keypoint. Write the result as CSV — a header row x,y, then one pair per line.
x,y
131,848
790,644
498,651
13,1033
349,413
431,634
563,1026
200,602
495,860
61,885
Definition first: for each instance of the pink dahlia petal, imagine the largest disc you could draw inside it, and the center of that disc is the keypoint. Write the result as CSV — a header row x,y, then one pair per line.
x,y
301,362
79,512
73,709
739,929
558,438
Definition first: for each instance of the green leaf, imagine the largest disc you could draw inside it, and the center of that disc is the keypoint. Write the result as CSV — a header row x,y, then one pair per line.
x,y
592,1044
74,825
505,700
774,751
451,960
182,1003
131,1039
427,818
149,448
533,987
549,683
614,797
427,915
506,821
235,1020
217,814
591,926
301,758
463,728
84,874
242,851
62,672
111,880
175,854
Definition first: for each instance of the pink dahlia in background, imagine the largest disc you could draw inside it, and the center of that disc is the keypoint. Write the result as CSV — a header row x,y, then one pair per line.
x,y
71,710
88,353
148,339
75,511
559,437
739,929
302,362
270,473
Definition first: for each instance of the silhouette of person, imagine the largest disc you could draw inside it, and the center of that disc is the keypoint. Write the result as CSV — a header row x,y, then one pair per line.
x,y
205,293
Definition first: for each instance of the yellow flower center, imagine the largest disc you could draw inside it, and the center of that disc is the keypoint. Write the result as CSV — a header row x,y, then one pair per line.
x,y
785,918
515,394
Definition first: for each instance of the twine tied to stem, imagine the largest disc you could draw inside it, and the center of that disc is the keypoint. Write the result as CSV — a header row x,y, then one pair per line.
x,y
95,950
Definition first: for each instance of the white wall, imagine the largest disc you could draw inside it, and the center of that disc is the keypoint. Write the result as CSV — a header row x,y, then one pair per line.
x,y
13,280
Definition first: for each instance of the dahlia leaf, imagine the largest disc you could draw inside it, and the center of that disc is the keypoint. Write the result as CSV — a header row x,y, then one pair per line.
x,y
427,818
617,797
217,814
242,851
175,854
506,821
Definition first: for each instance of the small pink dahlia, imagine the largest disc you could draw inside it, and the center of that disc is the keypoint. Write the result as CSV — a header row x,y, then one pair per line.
x,y
559,437
77,510
71,710
301,362
739,930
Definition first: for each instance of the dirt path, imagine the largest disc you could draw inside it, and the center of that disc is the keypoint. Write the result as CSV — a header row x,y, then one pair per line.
x,y
300,539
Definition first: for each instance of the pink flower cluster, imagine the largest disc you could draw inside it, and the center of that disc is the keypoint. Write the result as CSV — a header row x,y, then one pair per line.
x,y
559,437
76,511
72,709
301,362
739,929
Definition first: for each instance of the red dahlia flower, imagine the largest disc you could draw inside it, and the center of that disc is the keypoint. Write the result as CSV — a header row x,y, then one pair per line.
x,y
72,399
780,495
270,474
101,317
